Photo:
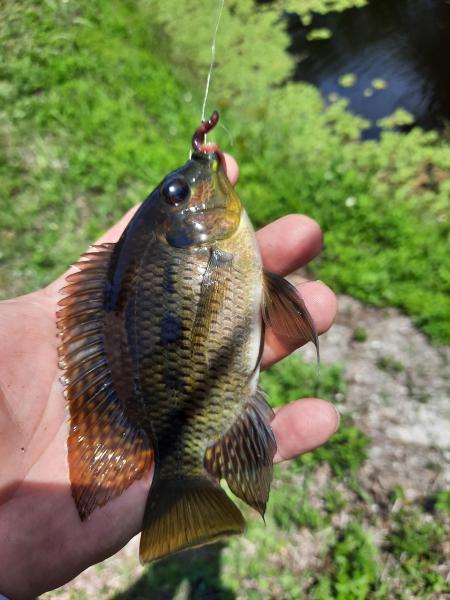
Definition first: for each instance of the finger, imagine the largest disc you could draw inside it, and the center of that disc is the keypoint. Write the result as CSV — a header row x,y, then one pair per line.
x,y
303,425
232,168
289,243
321,304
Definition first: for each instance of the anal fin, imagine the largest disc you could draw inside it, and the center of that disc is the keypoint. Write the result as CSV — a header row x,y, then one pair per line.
x,y
244,455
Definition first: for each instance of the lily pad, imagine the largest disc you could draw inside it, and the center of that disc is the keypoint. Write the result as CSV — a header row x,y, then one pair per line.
x,y
379,84
319,34
347,80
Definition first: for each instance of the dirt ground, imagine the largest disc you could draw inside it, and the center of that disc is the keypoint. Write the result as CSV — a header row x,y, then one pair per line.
x,y
398,392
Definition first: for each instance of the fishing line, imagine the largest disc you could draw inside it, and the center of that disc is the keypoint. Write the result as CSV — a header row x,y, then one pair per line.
x,y
228,132
220,4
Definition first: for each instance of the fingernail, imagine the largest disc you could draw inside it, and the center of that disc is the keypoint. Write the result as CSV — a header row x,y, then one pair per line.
x,y
338,414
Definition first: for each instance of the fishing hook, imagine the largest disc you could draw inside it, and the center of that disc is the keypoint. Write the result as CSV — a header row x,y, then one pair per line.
x,y
199,137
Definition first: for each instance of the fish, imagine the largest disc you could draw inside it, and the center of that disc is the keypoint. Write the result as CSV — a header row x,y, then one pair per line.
x,y
162,335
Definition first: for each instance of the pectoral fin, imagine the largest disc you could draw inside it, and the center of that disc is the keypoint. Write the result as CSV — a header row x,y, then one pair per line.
x,y
244,455
284,310
214,287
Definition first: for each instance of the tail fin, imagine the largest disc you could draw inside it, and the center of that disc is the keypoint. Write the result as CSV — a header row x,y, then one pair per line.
x,y
185,513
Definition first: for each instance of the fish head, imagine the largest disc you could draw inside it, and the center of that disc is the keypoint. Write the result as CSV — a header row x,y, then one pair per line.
x,y
197,203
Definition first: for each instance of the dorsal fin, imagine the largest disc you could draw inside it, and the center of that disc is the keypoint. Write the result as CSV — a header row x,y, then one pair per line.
x,y
244,455
106,452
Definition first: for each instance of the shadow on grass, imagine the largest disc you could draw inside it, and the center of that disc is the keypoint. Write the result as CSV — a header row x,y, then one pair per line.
x,y
194,574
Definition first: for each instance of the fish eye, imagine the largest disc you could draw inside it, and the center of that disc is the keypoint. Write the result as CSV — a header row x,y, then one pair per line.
x,y
176,190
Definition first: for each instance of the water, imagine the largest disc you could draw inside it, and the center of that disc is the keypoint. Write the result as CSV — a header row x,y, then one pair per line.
x,y
406,43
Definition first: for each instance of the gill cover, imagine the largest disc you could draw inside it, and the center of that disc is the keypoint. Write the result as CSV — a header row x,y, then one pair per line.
x,y
200,204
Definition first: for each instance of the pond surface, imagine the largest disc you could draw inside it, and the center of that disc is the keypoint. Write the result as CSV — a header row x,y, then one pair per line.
x,y
404,44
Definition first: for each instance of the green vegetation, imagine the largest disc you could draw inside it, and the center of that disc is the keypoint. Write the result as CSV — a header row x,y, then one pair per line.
x,y
355,568
379,84
389,364
439,502
305,8
413,536
292,377
99,103
86,127
319,34
417,542
348,80
359,334
399,118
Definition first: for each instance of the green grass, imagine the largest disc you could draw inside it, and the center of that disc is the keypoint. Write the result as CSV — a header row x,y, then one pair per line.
x,y
390,364
334,501
354,568
345,453
359,334
99,101
87,126
439,502
417,542
291,379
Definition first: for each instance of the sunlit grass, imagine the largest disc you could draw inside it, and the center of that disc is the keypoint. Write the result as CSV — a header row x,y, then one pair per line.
x,y
98,103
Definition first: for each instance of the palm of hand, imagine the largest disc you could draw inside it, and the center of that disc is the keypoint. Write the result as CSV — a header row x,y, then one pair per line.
x,y
38,517
44,543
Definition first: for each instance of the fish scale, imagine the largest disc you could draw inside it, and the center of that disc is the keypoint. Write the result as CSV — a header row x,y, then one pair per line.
x,y
153,300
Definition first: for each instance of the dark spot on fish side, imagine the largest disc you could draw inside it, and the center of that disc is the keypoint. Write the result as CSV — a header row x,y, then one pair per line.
x,y
179,239
173,377
171,330
169,280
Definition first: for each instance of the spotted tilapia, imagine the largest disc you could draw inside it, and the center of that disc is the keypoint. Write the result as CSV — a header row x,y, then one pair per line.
x,y
162,336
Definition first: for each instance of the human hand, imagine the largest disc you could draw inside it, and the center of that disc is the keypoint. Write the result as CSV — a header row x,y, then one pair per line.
x,y
43,541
